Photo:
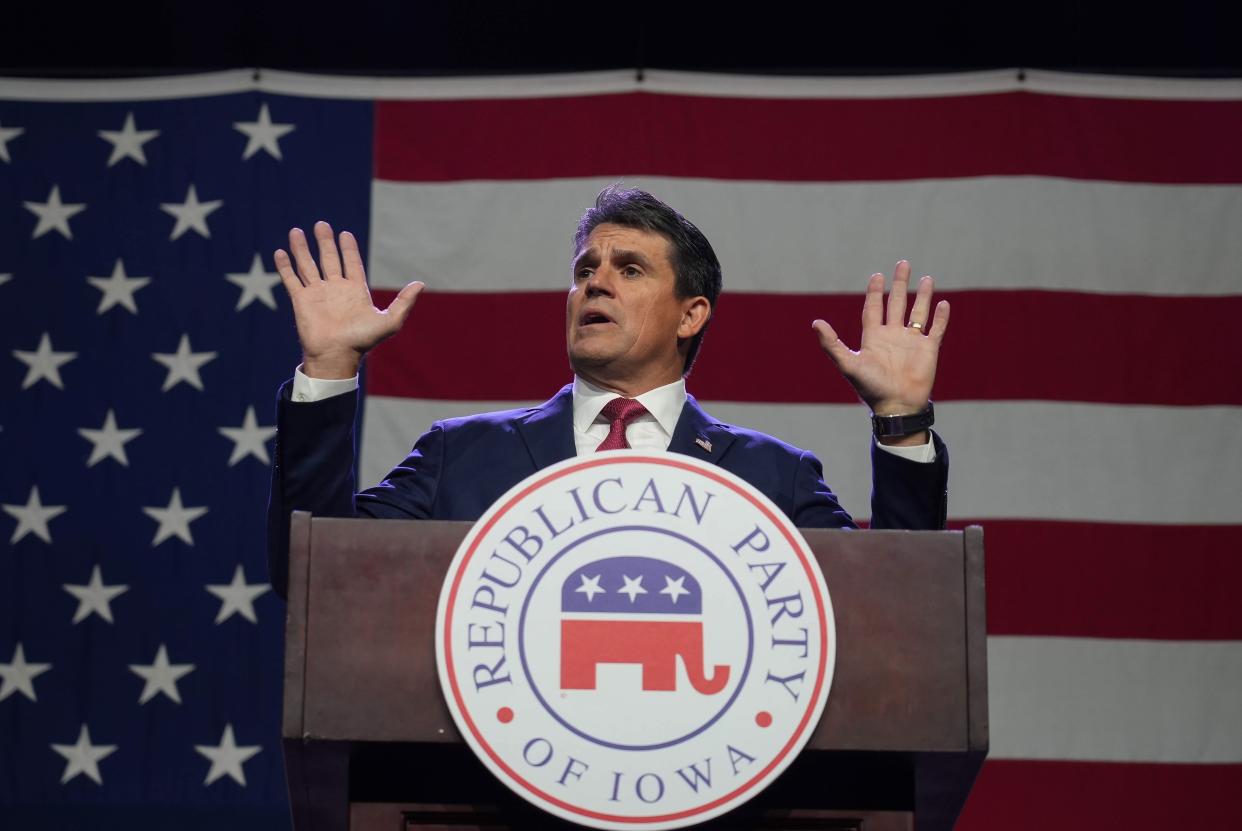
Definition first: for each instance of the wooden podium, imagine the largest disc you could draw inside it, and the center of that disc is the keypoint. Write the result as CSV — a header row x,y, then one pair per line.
x,y
369,742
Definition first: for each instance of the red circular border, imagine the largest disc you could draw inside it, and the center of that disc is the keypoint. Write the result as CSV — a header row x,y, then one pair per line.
x,y
465,714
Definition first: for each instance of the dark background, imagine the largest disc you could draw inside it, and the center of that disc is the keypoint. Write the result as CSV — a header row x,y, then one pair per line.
x,y
404,37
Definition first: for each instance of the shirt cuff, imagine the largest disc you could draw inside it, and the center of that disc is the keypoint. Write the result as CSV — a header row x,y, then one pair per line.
x,y
924,453
307,389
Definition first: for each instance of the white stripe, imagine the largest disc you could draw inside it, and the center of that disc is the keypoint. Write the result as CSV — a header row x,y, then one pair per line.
x,y
943,84
1132,86
128,89
870,86
1019,460
552,85
620,80
1115,700
312,85
988,233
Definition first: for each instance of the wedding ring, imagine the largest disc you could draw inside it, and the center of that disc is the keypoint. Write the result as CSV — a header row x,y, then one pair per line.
x,y
918,326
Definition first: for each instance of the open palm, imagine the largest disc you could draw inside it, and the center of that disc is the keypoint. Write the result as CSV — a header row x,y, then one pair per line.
x,y
337,321
895,365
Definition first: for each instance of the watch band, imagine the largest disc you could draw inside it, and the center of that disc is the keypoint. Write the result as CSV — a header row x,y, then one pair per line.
x,y
902,425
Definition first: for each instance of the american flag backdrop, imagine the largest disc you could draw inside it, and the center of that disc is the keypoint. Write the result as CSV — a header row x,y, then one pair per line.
x,y
1088,231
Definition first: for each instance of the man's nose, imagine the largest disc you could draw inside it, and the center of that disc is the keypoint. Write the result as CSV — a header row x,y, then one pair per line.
x,y
600,282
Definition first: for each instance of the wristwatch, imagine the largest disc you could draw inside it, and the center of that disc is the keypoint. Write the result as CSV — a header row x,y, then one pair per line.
x,y
902,425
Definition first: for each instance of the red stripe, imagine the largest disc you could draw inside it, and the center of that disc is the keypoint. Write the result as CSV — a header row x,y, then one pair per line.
x,y
828,140
1090,796
1098,580
1001,345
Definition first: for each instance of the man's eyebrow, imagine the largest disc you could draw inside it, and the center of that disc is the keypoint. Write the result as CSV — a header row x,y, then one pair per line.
x,y
589,255
620,255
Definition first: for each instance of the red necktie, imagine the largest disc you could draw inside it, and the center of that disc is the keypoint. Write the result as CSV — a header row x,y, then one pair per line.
x,y
619,412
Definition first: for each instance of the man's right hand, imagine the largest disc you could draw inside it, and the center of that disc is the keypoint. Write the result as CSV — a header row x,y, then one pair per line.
x,y
337,322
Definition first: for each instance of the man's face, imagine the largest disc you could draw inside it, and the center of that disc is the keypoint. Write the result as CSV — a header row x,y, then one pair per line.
x,y
623,318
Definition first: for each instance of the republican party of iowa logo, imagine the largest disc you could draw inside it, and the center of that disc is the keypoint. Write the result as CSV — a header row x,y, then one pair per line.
x,y
635,640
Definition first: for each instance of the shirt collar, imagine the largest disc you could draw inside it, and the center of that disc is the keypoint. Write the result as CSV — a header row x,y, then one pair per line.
x,y
664,403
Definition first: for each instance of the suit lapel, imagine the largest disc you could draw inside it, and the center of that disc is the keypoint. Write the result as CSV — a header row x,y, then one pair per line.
x,y
548,431
699,435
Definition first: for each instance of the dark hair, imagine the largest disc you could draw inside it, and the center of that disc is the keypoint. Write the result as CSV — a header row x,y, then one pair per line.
x,y
694,262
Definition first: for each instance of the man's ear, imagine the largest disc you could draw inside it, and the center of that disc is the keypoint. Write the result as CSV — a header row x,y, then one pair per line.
x,y
695,312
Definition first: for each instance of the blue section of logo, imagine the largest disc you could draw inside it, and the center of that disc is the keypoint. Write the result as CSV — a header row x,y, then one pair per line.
x,y
631,585
616,566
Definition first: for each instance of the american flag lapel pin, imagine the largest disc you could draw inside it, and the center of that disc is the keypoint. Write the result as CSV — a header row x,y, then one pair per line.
x,y
704,443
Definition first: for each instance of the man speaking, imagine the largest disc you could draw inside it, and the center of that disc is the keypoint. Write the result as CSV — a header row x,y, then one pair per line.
x,y
644,285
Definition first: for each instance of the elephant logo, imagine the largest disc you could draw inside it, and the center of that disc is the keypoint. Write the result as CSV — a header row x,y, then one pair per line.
x,y
608,647
635,610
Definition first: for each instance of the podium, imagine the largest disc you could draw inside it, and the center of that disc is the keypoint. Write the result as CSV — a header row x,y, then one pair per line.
x,y
369,742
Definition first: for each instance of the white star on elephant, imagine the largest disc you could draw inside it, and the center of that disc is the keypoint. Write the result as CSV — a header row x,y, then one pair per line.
x,y
674,588
633,587
590,587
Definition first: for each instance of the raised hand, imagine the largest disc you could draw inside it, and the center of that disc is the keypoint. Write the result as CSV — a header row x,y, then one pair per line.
x,y
336,320
895,366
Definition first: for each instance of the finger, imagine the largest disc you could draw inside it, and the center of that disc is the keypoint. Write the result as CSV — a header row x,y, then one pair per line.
x,y
329,260
897,294
352,257
302,256
836,349
922,303
401,305
873,305
941,322
285,269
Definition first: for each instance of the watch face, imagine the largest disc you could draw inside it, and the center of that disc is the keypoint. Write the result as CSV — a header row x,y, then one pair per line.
x,y
886,426
903,425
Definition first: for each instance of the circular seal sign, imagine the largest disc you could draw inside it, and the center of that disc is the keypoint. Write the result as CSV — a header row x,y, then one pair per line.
x,y
635,640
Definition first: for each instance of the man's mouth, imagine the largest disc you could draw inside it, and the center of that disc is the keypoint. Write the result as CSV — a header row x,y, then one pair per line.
x,y
593,318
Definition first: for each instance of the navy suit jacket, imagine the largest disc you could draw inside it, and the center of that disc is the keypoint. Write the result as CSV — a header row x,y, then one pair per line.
x,y
460,466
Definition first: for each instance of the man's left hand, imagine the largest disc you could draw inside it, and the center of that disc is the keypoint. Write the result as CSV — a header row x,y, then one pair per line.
x,y
894,368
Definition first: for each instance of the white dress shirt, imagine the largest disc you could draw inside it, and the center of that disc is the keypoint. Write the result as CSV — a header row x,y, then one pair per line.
x,y
651,431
